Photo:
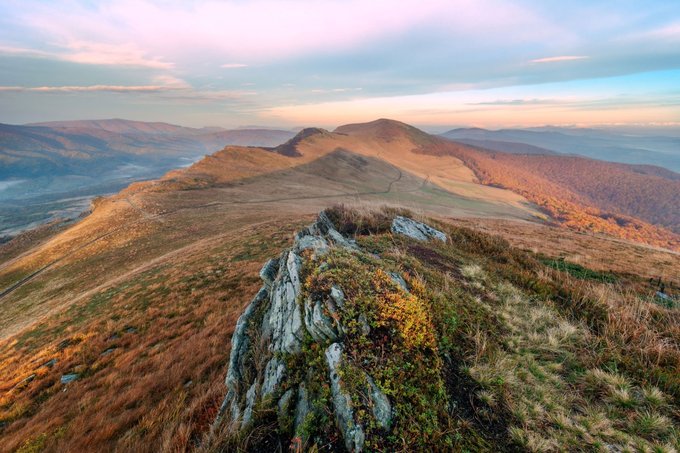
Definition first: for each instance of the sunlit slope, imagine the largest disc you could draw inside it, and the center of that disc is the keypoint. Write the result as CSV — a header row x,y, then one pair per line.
x,y
236,186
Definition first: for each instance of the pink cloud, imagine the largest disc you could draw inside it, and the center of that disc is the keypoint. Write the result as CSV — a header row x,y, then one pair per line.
x,y
88,88
560,58
258,30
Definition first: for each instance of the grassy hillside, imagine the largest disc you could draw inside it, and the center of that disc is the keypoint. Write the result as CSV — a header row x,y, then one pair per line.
x,y
634,202
488,348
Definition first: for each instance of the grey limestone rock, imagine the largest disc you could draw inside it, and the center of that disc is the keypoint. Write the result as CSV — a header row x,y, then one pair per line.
x,y
284,317
382,409
273,374
278,321
416,230
352,432
68,378
251,395
269,271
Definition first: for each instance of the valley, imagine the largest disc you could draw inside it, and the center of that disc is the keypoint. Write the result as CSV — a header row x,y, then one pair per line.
x,y
51,171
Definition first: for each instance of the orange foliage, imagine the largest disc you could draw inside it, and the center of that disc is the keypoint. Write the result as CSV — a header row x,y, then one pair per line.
x,y
638,203
404,311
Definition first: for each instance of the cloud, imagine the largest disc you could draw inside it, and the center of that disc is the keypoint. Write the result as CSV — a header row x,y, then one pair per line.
x,y
126,54
335,90
560,58
89,88
233,65
83,52
518,102
259,30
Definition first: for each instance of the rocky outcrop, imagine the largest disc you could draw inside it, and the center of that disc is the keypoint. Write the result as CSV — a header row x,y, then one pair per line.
x,y
416,230
281,322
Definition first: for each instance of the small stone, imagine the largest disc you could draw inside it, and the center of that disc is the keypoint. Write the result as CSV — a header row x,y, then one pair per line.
x,y
338,296
50,363
26,380
363,322
108,351
399,280
64,344
130,330
67,378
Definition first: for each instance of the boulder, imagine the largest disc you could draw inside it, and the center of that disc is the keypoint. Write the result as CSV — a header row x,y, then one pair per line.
x,y
416,230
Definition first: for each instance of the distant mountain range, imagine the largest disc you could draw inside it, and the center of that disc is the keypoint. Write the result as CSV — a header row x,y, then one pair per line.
x,y
43,164
96,146
611,145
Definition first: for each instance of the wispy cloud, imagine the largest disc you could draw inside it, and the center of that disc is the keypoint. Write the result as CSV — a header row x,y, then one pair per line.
x,y
335,90
90,88
518,102
111,54
560,58
233,65
94,53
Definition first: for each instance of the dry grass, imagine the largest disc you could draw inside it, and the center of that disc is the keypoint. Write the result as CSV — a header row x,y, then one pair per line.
x,y
150,351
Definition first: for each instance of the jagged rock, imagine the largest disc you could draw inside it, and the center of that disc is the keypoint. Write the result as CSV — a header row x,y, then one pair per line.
x,y
257,366
352,433
317,244
382,409
273,374
269,271
399,280
239,349
319,326
416,230
302,408
251,394
285,320
239,340
338,296
284,402
325,226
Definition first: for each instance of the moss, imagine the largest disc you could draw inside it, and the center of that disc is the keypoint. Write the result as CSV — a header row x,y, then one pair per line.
x,y
578,271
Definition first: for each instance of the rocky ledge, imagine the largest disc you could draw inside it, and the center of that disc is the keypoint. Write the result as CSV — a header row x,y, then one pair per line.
x,y
269,366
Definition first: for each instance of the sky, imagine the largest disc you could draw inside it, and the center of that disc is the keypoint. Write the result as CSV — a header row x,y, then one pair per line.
x,y
291,63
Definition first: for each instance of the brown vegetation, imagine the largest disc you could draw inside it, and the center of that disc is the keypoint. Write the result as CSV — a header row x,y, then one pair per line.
x,y
631,202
